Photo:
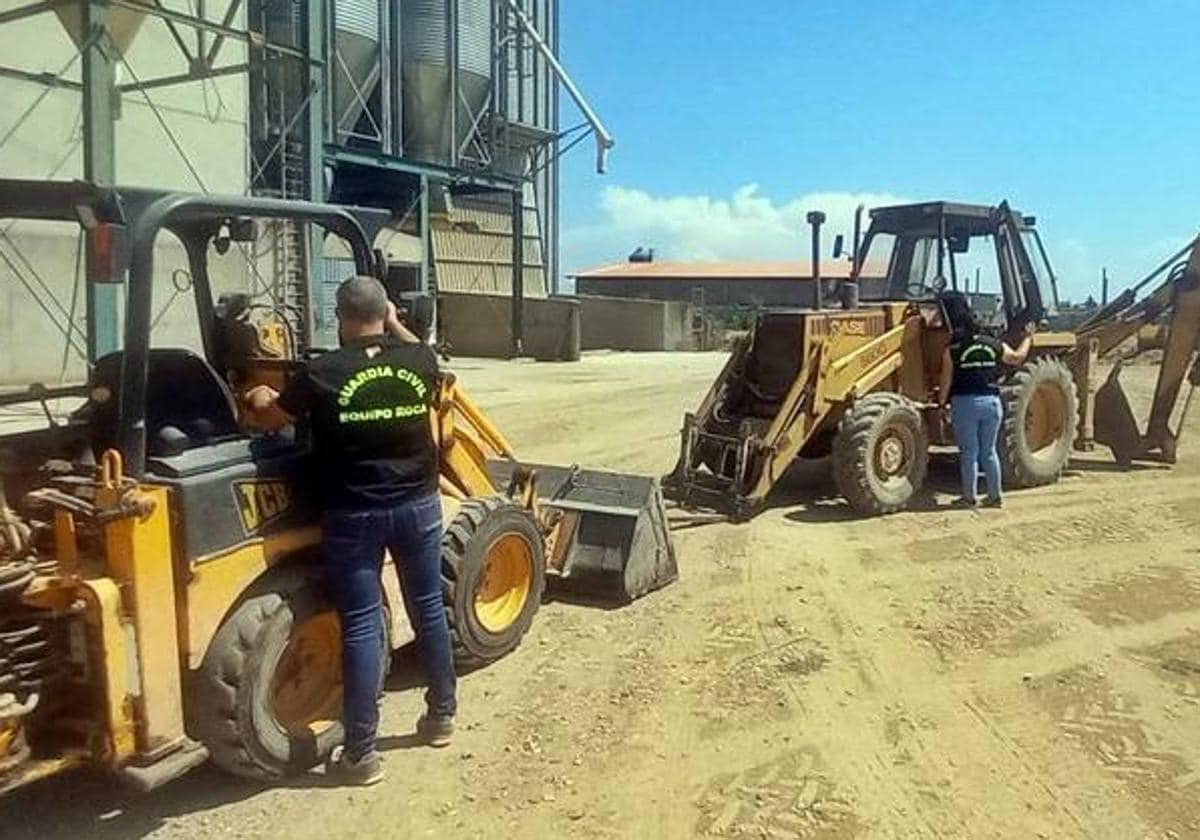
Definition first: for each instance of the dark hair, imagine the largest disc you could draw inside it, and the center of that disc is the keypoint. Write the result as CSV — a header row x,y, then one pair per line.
x,y
958,313
362,299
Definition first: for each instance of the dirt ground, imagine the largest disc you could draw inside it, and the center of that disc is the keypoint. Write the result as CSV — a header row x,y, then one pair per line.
x,y
1031,672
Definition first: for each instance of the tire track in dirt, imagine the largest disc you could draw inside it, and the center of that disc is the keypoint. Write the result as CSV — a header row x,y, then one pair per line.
x,y
763,660
973,612
1076,529
536,771
1106,726
788,796
859,699
960,620
751,672
1176,662
1140,595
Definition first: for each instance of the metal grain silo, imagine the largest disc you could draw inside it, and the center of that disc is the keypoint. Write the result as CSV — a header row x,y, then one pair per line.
x,y
356,71
438,119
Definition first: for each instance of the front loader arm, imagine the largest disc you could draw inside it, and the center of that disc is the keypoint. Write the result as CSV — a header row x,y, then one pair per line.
x,y
861,371
466,441
733,364
827,381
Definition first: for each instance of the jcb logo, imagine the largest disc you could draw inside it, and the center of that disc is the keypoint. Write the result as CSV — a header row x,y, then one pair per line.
x,y
261,502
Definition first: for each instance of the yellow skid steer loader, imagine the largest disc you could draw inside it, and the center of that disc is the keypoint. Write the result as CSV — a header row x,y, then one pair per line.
x,y
161,601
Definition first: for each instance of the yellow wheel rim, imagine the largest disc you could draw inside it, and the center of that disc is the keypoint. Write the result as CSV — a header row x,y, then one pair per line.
x,y
1045,417
306,691
894,452
504,583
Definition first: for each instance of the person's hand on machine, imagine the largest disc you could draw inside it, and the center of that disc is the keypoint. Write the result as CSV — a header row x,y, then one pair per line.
x,y
259,398
260,410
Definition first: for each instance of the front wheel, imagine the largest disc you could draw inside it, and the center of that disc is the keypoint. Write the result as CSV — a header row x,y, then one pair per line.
x,y
267,700
493,575
880,453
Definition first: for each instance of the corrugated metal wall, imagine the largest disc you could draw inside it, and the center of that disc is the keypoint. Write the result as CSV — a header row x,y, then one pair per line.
x,y
472,249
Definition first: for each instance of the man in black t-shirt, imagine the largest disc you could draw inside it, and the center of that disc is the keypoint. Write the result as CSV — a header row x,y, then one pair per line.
x,y
368,405
971,368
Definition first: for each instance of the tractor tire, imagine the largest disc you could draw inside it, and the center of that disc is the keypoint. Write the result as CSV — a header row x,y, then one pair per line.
x,y
1040,413
493,576
267,700
880,453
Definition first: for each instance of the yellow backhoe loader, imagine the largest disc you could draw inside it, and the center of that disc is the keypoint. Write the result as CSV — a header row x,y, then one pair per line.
x,y
160,597
857,379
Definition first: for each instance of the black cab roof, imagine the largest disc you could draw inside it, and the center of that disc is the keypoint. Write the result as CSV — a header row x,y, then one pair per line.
x,y
925,218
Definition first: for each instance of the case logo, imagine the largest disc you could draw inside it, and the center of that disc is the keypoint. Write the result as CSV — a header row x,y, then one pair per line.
x,y
261,502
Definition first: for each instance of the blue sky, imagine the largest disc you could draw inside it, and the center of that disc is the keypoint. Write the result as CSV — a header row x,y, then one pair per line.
x,y
733,119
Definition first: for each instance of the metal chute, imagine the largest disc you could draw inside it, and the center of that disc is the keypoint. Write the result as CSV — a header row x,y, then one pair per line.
x,y
123,23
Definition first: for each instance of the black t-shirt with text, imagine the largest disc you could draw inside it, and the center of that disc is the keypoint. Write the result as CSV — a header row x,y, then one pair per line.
x,y
977,360
368,404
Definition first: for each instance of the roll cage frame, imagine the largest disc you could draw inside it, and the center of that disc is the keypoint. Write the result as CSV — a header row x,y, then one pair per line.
x,y
122,225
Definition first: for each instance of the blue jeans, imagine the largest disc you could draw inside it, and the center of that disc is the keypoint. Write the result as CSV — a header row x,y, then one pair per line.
x,y
976,426
352,547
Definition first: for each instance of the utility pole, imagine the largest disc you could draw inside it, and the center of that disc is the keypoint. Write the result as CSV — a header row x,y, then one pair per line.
x,y
99,167
1104,286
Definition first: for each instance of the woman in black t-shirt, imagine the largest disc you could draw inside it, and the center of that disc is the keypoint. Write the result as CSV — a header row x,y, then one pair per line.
x,y
970,370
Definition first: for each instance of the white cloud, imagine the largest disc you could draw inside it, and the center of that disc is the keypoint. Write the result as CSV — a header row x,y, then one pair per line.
x,y
748,225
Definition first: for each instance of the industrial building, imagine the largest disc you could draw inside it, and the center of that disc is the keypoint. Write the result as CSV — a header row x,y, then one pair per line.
x,y
444,112
720,284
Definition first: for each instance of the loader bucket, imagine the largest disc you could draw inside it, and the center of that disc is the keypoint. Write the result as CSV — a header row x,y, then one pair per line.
x,y
1116,427
614,544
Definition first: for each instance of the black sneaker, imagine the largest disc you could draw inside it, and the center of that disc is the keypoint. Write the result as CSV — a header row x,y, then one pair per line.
x,y
364,772
963,502
993,502
435,730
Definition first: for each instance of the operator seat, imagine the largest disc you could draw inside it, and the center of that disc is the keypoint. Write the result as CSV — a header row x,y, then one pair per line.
x,y
187,403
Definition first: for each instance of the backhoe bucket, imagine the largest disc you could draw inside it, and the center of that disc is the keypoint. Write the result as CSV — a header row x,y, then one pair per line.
x,y
613,543
1116,427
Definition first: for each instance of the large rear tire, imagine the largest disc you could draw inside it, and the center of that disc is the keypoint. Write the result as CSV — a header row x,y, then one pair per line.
x,y
267,700
880,453
493,574
1040,413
